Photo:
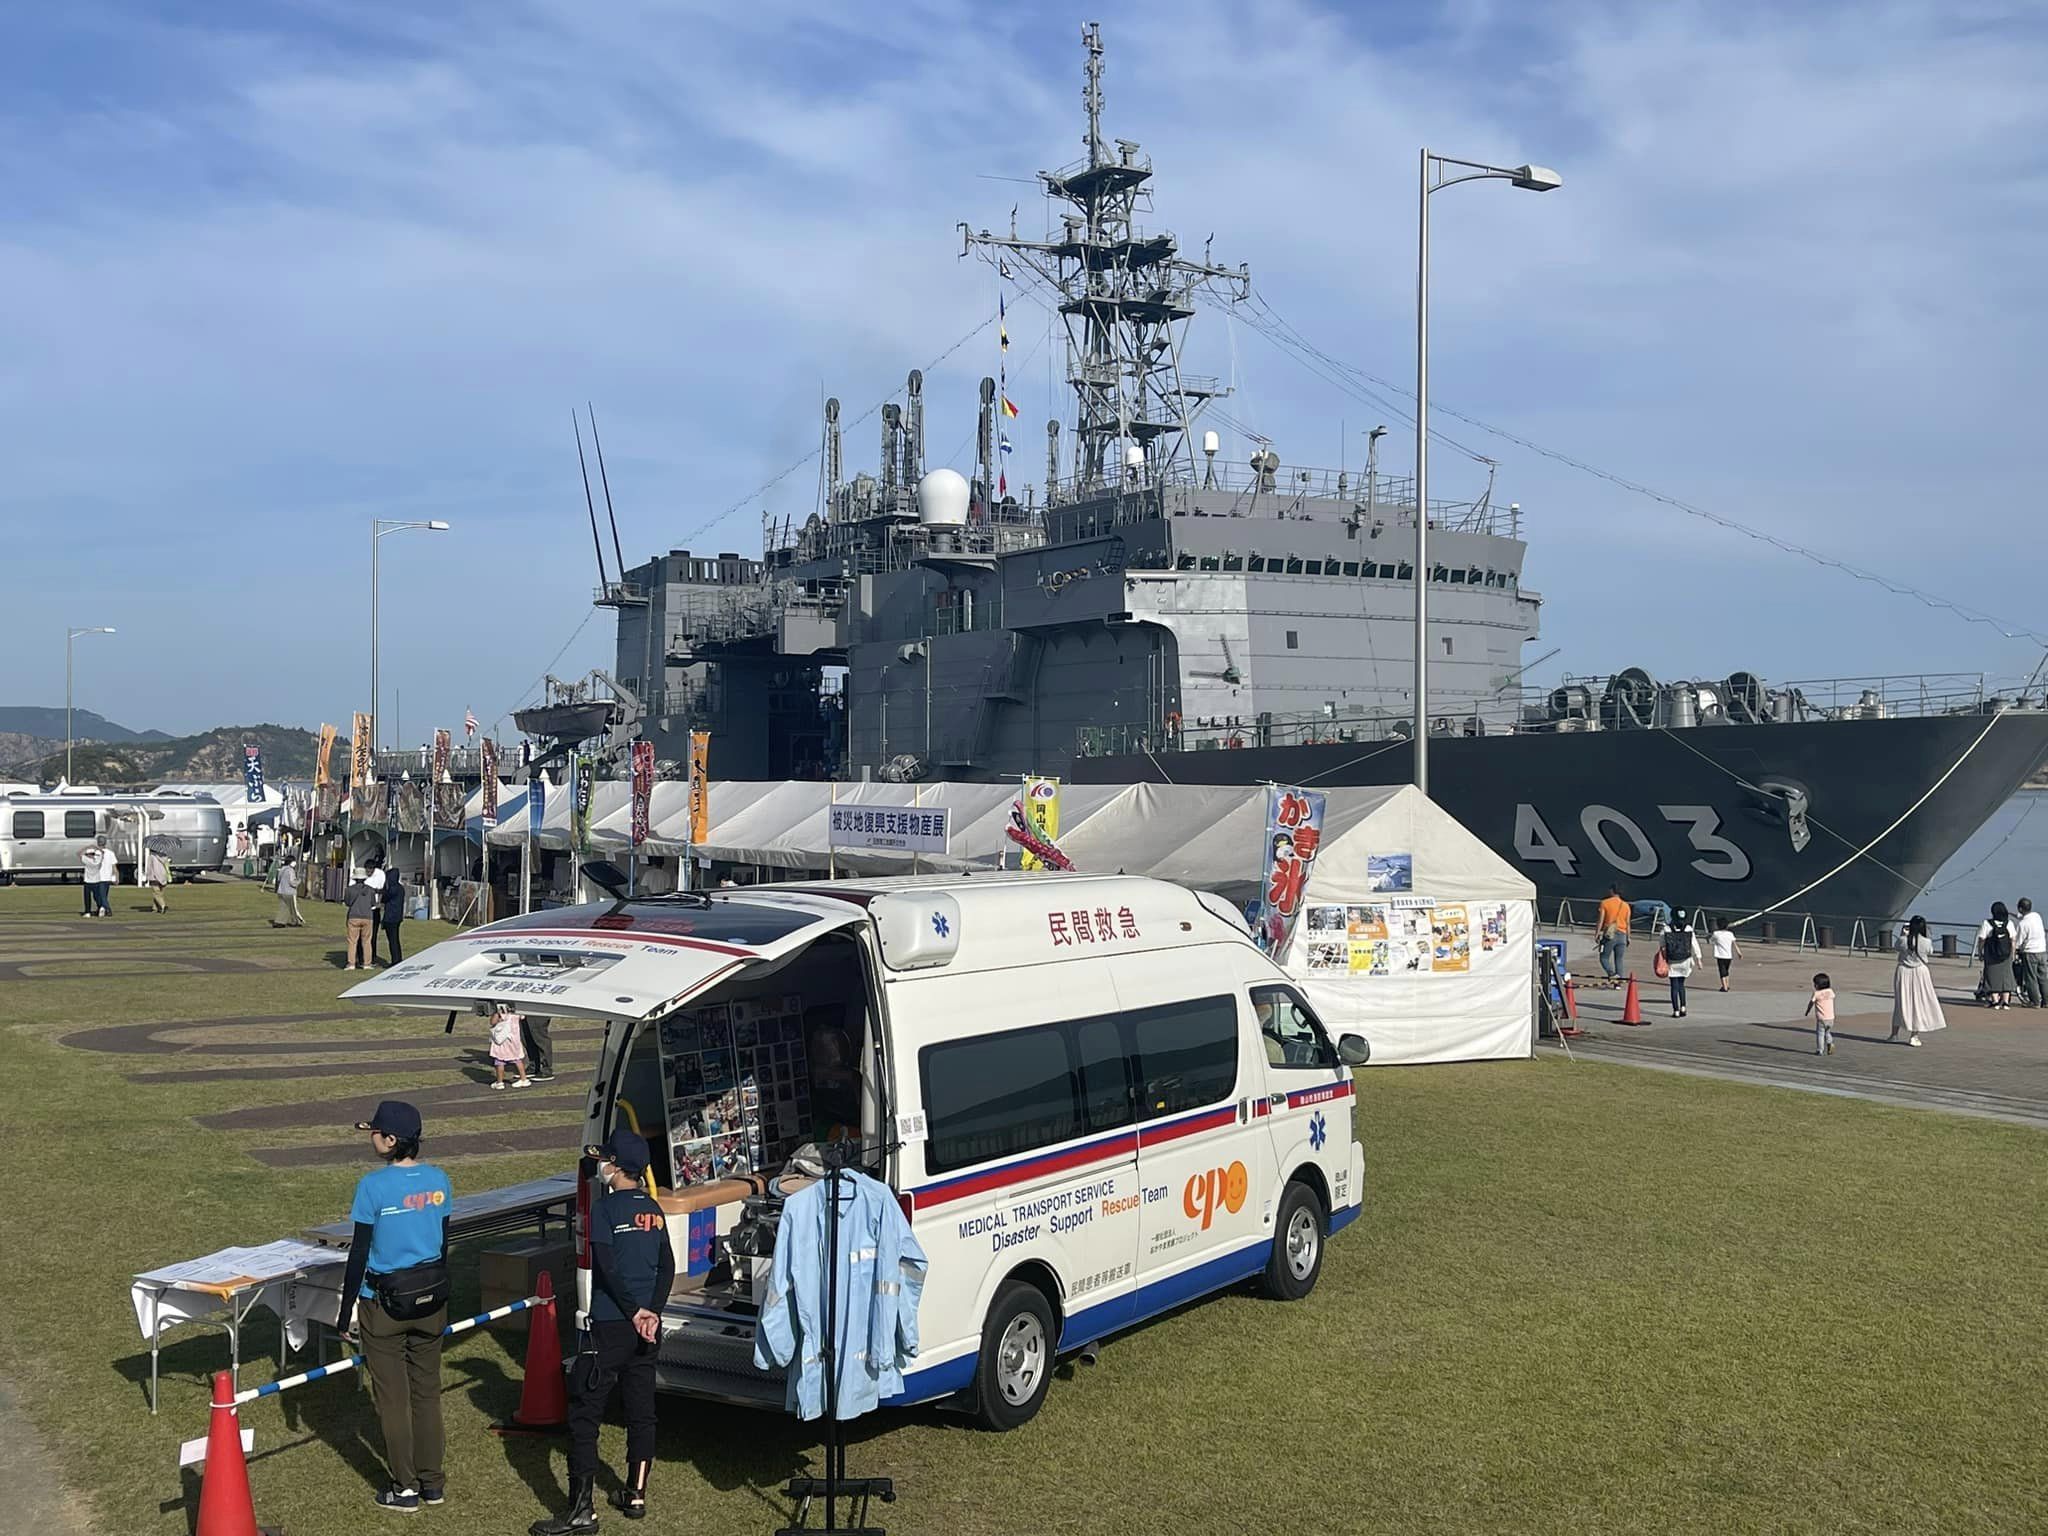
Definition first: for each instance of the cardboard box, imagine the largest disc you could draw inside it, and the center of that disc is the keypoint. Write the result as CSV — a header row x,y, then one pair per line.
x,y
510,1271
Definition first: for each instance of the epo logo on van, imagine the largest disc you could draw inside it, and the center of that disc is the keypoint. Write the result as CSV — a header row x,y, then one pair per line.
x,y
1226,1187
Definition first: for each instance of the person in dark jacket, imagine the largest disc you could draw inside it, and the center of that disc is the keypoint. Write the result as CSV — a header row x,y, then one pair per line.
x,y
361,900
399,1251
391,912
632,1268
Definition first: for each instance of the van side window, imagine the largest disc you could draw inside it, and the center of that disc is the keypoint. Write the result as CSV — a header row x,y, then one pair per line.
x,y
79,824
997,1095
1105,1074
28,824
1186,1054
1290,1031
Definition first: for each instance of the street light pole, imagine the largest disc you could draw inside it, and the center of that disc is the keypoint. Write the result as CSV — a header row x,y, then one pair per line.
x,y
1530,178
380,526
69,636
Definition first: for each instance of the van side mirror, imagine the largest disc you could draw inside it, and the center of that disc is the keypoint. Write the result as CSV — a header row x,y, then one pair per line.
x,y
1353,1050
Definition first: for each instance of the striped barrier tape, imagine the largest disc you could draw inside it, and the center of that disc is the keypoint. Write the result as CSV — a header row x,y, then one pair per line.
x,y
320,1372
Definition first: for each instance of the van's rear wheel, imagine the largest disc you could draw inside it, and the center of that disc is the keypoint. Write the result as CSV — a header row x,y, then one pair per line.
x,y
1016,1357
1297,1259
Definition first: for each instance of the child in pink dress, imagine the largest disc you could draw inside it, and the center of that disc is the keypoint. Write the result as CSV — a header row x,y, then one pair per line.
x,y
507,1046
1822,1006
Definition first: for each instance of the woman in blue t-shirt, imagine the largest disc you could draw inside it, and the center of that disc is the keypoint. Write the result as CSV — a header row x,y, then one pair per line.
x,y
394,1298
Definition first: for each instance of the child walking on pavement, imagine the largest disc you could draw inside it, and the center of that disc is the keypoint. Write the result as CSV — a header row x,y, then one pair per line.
x,y
1822,1006
1726,951
507,1047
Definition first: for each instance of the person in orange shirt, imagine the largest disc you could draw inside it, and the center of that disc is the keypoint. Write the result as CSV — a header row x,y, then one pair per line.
x,y
1612,934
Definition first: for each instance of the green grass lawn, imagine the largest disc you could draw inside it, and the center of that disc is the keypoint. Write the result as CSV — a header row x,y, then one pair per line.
x,y
1582,1298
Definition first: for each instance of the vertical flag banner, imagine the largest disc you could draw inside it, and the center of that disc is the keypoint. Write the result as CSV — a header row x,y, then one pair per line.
x,y
443,745
536,805
1294,831
489,753
252,772
1042,822
391,804
320,771
582,790
700,786
362,763
643,788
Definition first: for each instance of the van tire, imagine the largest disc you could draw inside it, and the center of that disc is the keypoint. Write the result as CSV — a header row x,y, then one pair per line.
x,y
1015,1366
1298,1242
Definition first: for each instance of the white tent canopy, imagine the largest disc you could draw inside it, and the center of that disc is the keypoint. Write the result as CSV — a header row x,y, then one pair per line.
x,y
1365,947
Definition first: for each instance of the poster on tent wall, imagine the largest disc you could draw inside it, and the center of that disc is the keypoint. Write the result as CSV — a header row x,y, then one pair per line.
x,y
1405,935
488,753
1041,801
643,789
1294,830
252,772
700,786
361,761
320,768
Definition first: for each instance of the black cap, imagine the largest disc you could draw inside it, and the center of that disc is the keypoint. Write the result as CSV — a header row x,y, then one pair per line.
x,y
394,1117
624,1149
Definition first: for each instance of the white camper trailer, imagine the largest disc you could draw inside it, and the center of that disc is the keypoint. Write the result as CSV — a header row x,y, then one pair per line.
x,y
43,834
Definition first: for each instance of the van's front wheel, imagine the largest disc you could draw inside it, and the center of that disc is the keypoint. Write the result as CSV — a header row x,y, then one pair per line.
x,y
1016,1357
1297,1259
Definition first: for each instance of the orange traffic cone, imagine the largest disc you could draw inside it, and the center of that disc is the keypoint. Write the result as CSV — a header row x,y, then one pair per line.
x,y
543,1396
1571,999
225,1508
1631,1005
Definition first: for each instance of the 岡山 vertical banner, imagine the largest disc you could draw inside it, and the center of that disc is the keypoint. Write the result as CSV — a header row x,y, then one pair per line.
x,y
1294,830
362,761
320,769
643,788
1041,817
443,744
582,789
488,753
700,786
252,772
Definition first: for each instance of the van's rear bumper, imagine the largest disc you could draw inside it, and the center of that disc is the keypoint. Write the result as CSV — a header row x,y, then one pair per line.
x,y
708,1352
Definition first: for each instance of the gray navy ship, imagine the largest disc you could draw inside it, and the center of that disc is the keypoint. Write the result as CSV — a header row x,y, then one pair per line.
x,y
1146,611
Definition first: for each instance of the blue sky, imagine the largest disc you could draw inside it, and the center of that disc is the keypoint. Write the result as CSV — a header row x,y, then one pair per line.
x,y
274,270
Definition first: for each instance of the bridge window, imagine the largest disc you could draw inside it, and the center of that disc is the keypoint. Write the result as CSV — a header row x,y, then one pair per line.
x,y
1315,568
1258,562
1350,567
1293,640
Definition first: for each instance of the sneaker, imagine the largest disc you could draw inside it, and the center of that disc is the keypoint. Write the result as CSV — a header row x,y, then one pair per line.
x,y
402,1501
522,1082
1831,1047
1914,1041
433,1496
543,1077
498,1087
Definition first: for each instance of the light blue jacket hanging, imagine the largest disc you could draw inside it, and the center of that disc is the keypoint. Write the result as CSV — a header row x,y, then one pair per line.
x,y
880,1279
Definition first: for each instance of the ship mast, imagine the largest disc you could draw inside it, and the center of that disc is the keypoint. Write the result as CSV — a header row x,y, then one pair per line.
x,y
1125,295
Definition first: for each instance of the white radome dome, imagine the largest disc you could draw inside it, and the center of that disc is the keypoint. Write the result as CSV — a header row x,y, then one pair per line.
x,y
942,498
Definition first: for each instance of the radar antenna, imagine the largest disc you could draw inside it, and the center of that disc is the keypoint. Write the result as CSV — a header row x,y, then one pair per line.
x,y
1125,295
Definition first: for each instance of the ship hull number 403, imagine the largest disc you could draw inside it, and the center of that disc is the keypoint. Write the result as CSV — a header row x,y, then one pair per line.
x,y
1621,841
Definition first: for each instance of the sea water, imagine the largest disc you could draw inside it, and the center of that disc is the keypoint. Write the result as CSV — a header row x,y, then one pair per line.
x,y
2006,859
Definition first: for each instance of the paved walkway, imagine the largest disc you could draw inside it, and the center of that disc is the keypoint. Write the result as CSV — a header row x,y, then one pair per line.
x,y
1985,1063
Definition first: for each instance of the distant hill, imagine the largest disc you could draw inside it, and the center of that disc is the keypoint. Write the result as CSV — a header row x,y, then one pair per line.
x,y
211,757
36,720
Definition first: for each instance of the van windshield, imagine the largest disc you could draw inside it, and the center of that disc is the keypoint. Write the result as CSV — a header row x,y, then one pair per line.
x,y
726,922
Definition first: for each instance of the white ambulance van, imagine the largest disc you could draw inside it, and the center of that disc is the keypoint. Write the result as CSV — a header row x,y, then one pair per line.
x,y
1094,1097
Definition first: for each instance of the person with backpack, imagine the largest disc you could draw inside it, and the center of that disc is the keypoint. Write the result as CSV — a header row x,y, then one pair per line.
x,y
1995,949
1680,951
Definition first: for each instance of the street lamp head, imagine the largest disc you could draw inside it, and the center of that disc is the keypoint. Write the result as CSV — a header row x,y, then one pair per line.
x,y
440,527
1536,178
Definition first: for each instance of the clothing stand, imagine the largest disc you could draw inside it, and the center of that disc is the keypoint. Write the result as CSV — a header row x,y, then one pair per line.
x,y
835,1486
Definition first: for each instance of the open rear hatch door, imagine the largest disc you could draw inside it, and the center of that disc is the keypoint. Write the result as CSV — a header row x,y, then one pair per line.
x,y
608,959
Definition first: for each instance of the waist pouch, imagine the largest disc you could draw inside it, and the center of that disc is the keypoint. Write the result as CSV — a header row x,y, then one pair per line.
x,y
411,1293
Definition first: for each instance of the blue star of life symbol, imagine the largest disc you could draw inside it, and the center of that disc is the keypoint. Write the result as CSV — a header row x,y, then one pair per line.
x,y
1318,1131
939,924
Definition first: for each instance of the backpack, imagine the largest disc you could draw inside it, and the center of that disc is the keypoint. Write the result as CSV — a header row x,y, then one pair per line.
x,y
1677,944
1998,943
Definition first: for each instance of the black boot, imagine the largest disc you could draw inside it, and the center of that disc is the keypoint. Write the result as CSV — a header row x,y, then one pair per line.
x,y
580,1518
630,1500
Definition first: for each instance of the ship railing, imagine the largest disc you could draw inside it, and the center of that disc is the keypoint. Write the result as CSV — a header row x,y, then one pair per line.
x,y
1387,499
1874,697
